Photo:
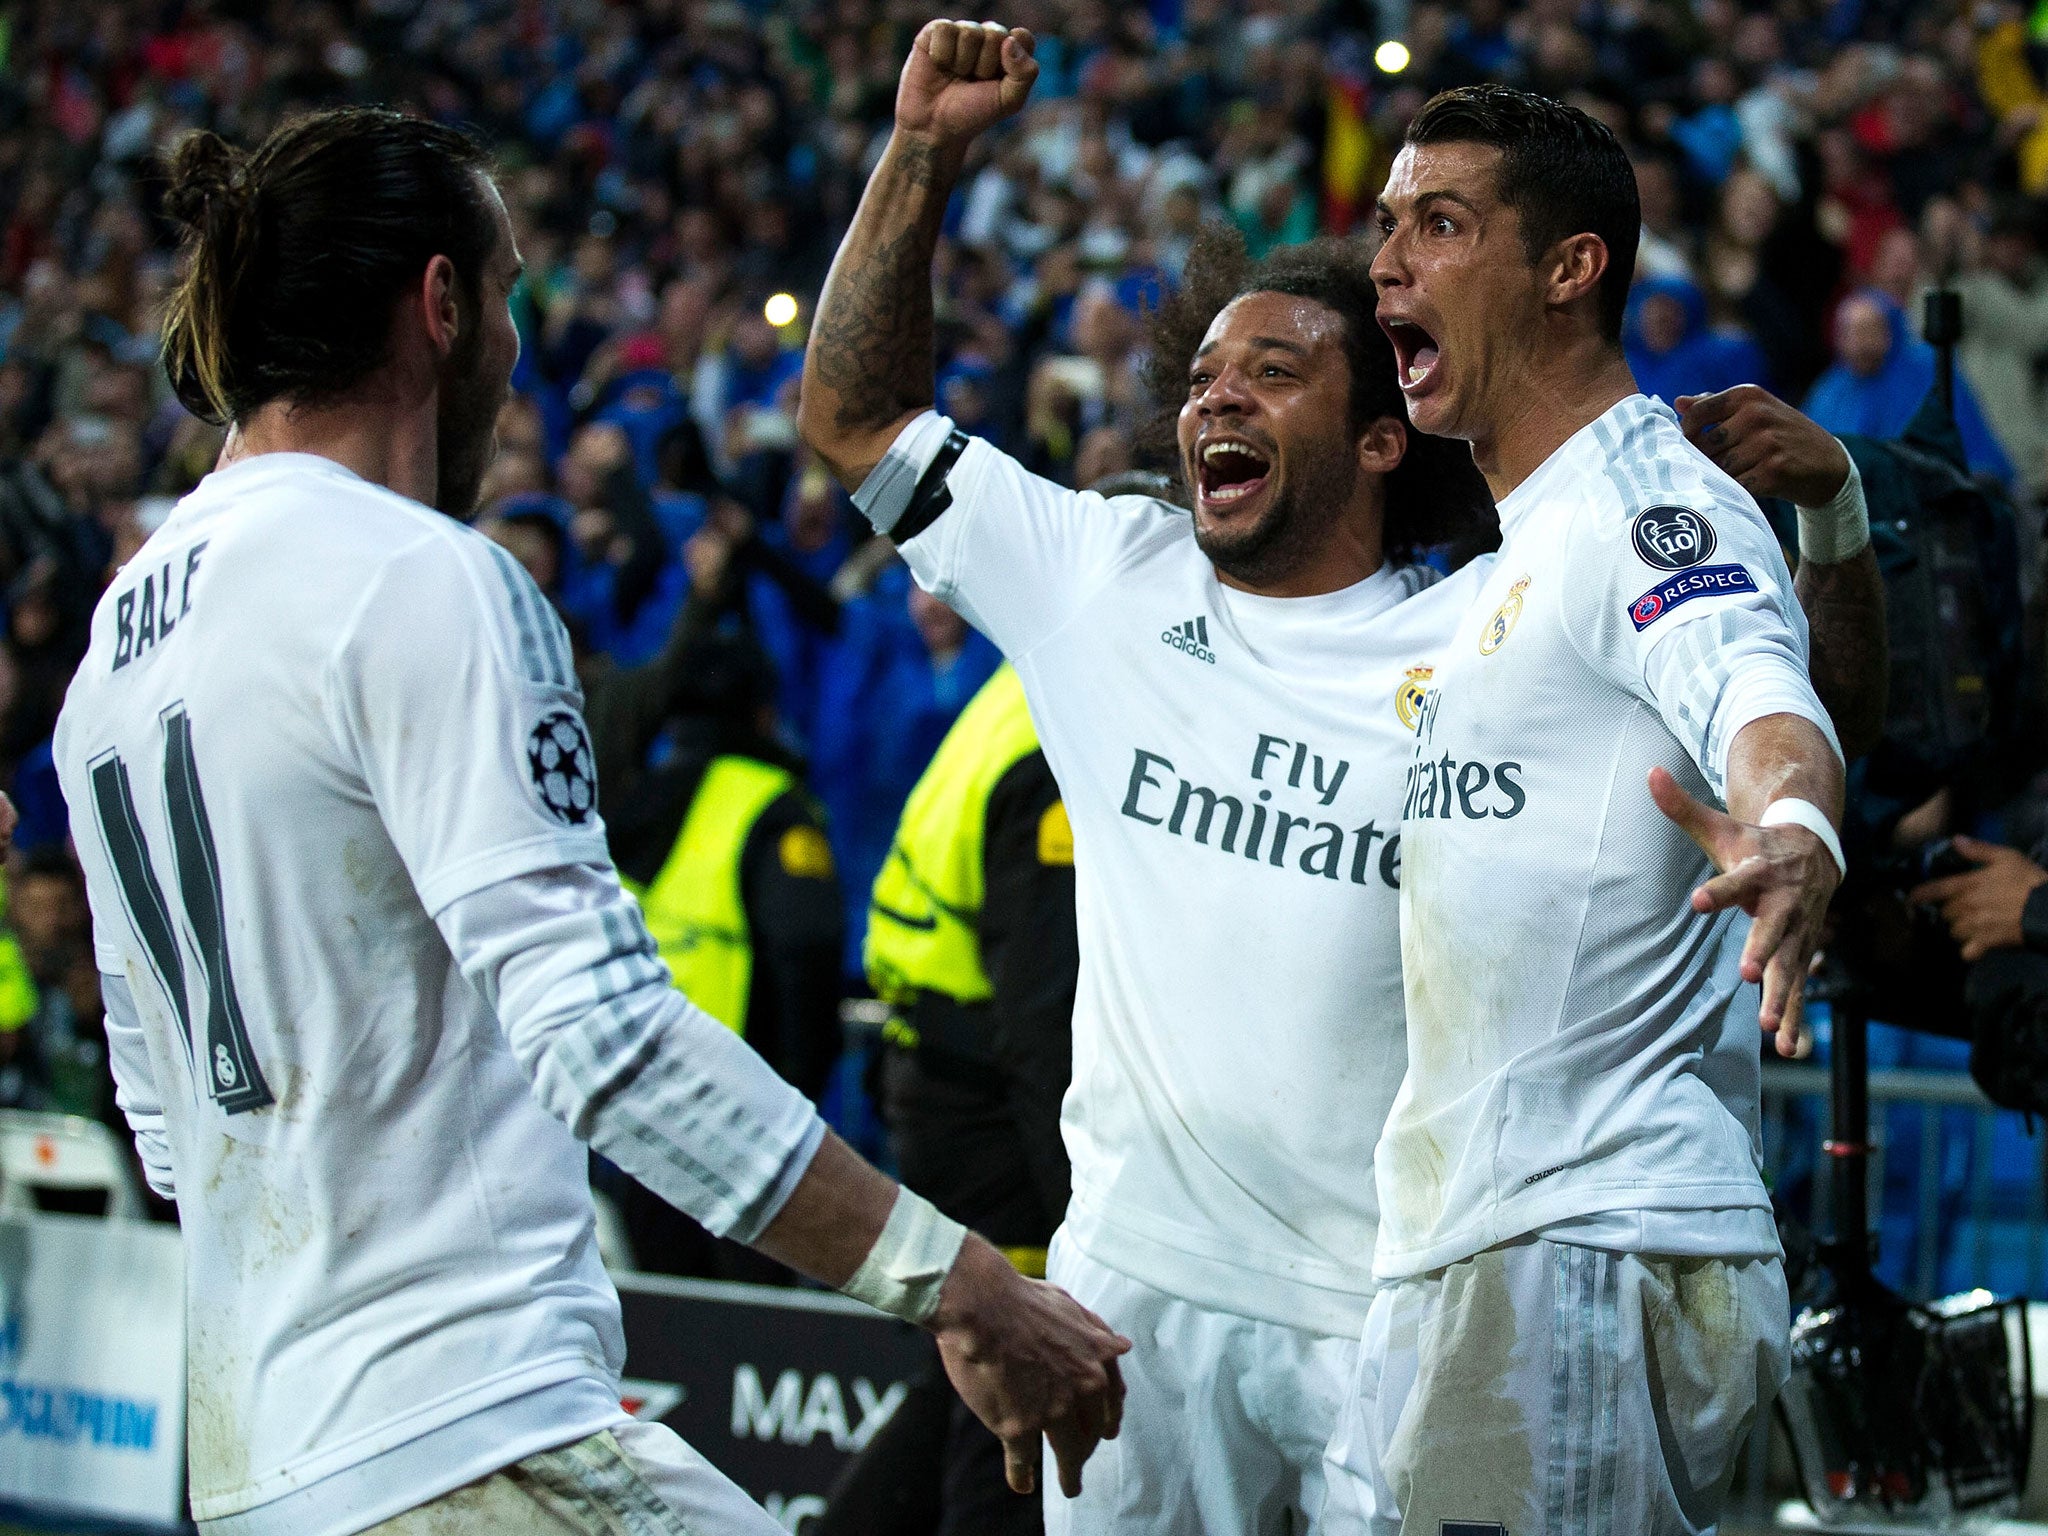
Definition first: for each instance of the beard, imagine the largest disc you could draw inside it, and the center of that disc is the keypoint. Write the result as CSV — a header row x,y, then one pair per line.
x,y
1295,526
466,425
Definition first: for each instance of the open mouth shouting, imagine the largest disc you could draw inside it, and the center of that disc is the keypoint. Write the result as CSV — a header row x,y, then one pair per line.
x,y
1230,470
1416,350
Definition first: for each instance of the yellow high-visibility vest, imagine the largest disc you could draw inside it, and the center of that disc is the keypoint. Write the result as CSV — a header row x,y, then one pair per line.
x,y
694,905
19,998
924,916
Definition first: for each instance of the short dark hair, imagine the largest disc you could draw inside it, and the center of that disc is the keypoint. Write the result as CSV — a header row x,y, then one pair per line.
x,y
296,252
1435,498
1561,170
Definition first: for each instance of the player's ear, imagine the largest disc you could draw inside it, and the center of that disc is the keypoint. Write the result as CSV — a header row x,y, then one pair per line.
x,y
1382,445
440,305
1574,269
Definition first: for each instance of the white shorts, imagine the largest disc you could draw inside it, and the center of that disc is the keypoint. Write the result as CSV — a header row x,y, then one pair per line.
x,y
631,1480
1543,1387
1225,1417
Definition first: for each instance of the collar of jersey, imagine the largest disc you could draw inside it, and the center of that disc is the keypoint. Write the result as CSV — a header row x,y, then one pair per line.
x,y
278,463
1374,592
1535,490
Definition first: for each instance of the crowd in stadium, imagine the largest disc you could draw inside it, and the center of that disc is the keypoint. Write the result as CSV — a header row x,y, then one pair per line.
x,y
679,173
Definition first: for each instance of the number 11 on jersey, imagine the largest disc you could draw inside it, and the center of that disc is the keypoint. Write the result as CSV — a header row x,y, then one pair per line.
x,y
227,1065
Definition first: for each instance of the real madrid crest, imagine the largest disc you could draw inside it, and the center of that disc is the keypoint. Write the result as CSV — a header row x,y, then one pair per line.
x,y
1408,697
1502,624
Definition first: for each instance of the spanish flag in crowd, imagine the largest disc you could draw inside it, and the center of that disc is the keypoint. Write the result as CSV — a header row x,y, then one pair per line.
x,y
1348,151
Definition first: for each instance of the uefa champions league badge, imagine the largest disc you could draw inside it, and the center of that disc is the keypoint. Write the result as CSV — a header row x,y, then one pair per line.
x,y
1672,538
563,767
1502,624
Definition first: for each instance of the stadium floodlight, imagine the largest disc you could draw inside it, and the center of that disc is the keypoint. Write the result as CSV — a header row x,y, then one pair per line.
x,y
780,309
1391,56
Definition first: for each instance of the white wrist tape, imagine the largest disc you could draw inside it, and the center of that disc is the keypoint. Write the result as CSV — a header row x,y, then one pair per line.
x,y
904,1271
1838,531
1804,813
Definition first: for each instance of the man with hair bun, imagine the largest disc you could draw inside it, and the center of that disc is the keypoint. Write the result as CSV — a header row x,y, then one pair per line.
x,y
1227,695
371,979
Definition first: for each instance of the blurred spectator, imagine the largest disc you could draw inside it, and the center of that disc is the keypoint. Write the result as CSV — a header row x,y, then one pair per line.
x,y
1744,283
884,707
1663,250
2005,332
1672,349
47,911
2009,74
1881,374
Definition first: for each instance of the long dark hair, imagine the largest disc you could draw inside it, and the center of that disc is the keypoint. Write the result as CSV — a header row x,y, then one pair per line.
x,y
1436,497
296,252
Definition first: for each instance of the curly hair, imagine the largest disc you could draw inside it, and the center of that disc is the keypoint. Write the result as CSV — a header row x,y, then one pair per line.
x,y
1436,498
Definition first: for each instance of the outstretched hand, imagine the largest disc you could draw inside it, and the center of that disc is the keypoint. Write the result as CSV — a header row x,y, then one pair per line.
x,y
964,77
1032,1363
1783,877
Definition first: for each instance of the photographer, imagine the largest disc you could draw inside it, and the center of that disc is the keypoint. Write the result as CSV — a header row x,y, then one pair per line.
x,y
1997,915
1993,906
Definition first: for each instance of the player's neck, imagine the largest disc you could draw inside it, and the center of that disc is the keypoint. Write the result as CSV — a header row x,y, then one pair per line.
x,y
397,449
1351,550
1560,394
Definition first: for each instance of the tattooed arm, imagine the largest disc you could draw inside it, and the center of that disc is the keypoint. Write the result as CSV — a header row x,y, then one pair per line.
x,y
868,369
1851,663
1773,450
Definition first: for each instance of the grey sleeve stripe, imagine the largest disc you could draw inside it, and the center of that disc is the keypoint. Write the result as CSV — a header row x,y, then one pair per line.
x,y
603,1059
1693,675
522,596
886,493
1706,671
557,636
607,1055
1617,474
1640,475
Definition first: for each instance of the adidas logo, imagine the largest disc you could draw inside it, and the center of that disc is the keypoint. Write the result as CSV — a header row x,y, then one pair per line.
x,y
1192,637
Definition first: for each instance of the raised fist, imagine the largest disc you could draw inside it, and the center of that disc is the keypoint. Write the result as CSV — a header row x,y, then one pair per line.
x,y
964,77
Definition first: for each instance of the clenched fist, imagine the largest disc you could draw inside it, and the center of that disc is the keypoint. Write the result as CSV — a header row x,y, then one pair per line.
x,y
964,77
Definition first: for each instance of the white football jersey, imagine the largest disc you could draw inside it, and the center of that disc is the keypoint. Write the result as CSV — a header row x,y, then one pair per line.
x,y
1233,768
1577,1054
316,717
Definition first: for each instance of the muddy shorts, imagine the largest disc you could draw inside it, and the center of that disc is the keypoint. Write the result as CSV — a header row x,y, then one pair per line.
x,y
1546,1388
633,1480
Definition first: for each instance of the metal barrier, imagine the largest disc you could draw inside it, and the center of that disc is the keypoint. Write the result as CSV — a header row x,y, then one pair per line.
x,y
1936,1214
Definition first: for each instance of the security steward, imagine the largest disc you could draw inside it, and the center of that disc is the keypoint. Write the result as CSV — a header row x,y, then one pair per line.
x,y
728,856
971,936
